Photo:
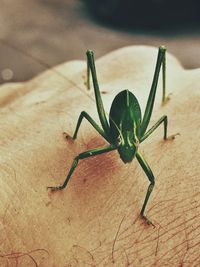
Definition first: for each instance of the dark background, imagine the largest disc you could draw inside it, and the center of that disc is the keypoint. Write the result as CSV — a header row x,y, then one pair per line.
x,y
55,31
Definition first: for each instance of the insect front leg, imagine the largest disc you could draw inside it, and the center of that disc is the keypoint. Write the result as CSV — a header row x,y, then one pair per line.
x,y
92,122
150,176
86,154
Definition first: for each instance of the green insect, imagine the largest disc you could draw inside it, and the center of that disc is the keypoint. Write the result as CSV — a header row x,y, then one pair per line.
x,y
126,128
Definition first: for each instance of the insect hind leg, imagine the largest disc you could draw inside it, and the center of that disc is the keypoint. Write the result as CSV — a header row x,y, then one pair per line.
x,y
161,61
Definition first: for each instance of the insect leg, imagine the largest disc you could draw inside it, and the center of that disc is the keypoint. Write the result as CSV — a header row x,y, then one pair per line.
x,y
94,124
164,77
88,75
163,119
152,94
150,176
86,154
99,103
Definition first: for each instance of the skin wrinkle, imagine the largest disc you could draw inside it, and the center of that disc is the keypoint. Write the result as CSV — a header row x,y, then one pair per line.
x,y
180,245
167,252
135,242
110,198
157,244
108,256
166,232
140,231
124,231
178,256
195,260
198,226
129,234
178,233
154,213
132,233
142,249
181,201
146,239
183,207
12,221
159,204
187,247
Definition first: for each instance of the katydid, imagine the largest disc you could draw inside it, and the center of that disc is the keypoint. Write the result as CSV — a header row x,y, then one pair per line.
x,y
126,127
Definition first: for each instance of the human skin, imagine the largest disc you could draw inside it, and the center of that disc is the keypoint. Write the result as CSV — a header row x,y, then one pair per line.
x,y
95,220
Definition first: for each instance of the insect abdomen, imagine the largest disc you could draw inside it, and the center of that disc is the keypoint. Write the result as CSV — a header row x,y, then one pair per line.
x,y
125,113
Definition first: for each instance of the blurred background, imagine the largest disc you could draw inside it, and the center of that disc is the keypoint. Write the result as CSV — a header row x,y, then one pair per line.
x,y
55,31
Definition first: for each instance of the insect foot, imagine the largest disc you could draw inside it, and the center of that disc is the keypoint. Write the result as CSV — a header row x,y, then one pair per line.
x,y
67,136
166,100
147,221
86,82
172,137
54,188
